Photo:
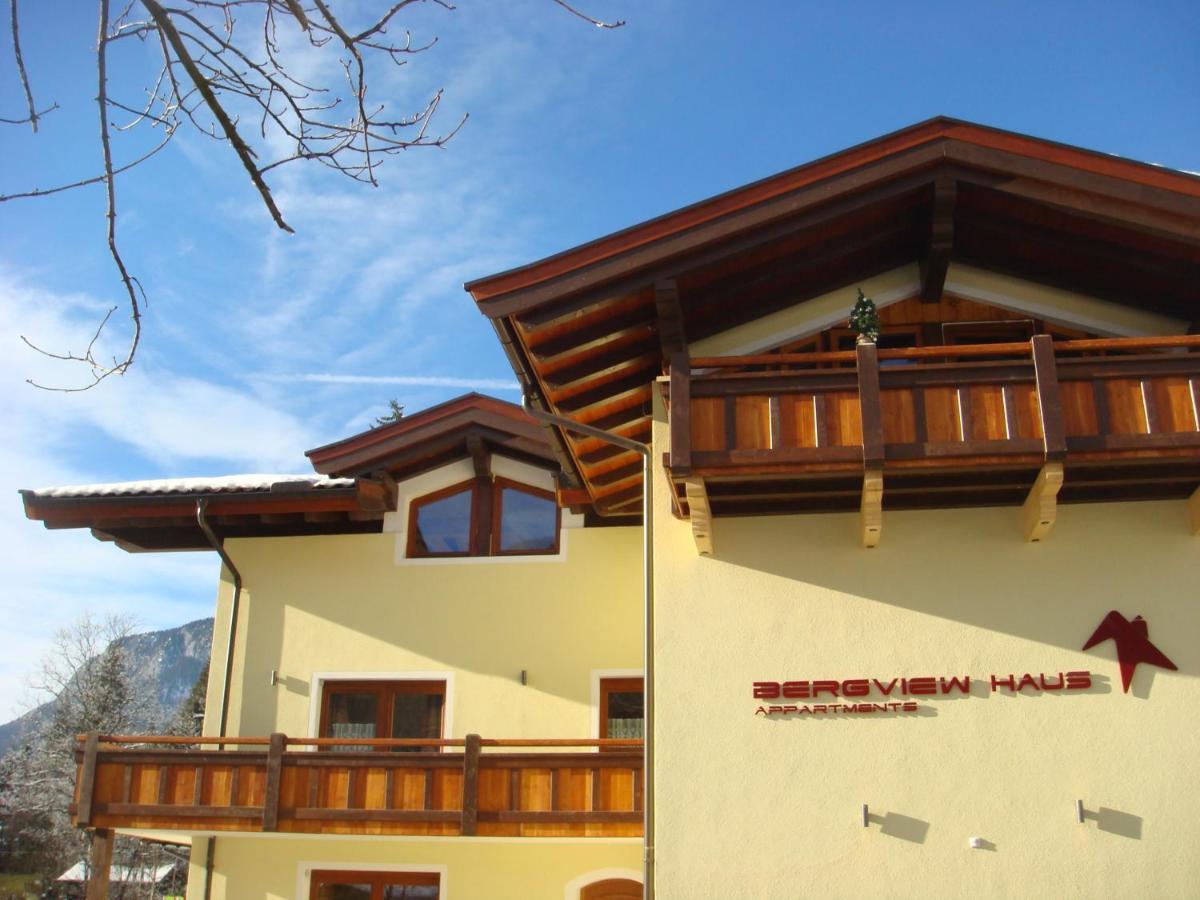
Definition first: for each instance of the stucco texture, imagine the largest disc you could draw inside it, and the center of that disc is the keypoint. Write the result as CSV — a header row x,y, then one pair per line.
x,y
771,807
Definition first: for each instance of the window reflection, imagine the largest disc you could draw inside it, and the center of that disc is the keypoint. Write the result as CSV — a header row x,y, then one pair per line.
x,y
527,522
444,526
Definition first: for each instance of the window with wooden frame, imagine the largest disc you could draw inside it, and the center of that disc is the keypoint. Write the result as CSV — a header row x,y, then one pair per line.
x,y
622,707
382,709
484,517
349,884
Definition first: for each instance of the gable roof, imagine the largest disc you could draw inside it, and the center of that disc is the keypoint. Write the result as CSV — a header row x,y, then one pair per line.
x,y
435,436
349,496
587,330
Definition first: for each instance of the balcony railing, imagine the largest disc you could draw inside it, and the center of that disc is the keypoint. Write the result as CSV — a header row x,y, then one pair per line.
x,y
948,425
471,786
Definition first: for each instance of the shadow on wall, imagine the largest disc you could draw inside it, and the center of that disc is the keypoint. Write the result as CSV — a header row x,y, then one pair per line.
x,y
1123,824
906,828
971,566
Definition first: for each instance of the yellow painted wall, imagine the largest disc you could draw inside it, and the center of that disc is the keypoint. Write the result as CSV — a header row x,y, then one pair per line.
x,y
273,868
340,604
769,808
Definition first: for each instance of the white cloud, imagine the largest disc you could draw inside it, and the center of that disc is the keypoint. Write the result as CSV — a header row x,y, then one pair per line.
x,y
148,423
480,384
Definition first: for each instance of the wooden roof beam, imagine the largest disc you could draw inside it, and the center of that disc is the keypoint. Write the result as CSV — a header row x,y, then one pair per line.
x,y
671,335
936,261
377,494
481,458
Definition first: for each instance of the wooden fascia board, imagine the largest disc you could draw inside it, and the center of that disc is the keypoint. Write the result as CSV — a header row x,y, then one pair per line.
x,y
431,438
411,428
79,512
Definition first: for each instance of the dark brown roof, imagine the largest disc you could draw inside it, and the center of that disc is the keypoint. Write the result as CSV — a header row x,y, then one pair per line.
x,y
587,330
161,514
435,436
350,496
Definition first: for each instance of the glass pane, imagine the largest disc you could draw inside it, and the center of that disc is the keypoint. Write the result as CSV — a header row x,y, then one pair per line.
x,y
353,716
527,523
416,716
410,892
444,526
625,714
344,892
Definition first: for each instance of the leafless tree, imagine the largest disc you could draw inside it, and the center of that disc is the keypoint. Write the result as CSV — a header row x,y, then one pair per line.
x,y
234,71
86,675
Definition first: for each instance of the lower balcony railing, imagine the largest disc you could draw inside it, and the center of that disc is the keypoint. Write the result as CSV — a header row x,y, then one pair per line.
x,y
471,786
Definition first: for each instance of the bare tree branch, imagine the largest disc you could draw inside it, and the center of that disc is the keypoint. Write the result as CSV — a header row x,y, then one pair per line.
x,y
597,22
34,115
244,88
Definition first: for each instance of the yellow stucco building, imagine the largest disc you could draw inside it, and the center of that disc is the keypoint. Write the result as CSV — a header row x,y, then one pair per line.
x,y
747,602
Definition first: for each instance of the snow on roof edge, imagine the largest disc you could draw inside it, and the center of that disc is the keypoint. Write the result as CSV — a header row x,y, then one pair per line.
x,y
220,484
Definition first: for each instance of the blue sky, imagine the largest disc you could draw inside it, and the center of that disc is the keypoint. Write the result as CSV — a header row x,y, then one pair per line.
x,y
257,343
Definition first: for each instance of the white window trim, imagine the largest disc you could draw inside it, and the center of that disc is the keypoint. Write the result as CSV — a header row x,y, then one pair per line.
x,y
575,886
316,692
305,867
597,676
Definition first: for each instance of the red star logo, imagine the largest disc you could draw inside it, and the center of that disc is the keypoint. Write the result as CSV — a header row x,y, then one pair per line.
x,y
1133,644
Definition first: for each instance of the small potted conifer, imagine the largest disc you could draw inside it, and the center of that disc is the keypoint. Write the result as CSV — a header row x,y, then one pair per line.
x,y
864,319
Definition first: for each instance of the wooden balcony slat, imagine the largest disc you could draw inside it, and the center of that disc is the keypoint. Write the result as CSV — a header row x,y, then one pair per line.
x,y
976,409
379,793
374,815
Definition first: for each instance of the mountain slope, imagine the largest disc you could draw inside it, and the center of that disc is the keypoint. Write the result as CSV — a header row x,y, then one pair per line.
x,y
163,666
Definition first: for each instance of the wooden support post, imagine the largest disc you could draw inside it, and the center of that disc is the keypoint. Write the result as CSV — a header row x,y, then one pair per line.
x,y
1041,506
870,514
871,414
1194,511
700,513
681,414
270,819
470,798
99,864
1049,398
87,780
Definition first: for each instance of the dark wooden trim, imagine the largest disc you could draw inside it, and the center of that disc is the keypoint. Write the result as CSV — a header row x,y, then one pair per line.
x,y
385,691
485,527
565,817
671,334
941,240
869,405
1049,397
635,683
681,414
376,879
270,816
87,780
100,856
470,797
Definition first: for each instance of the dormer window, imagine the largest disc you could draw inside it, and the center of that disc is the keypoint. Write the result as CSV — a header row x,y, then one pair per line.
x,y
484,517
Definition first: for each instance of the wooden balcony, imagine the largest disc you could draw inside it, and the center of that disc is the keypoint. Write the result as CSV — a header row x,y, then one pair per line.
x,y
525,788
992,424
